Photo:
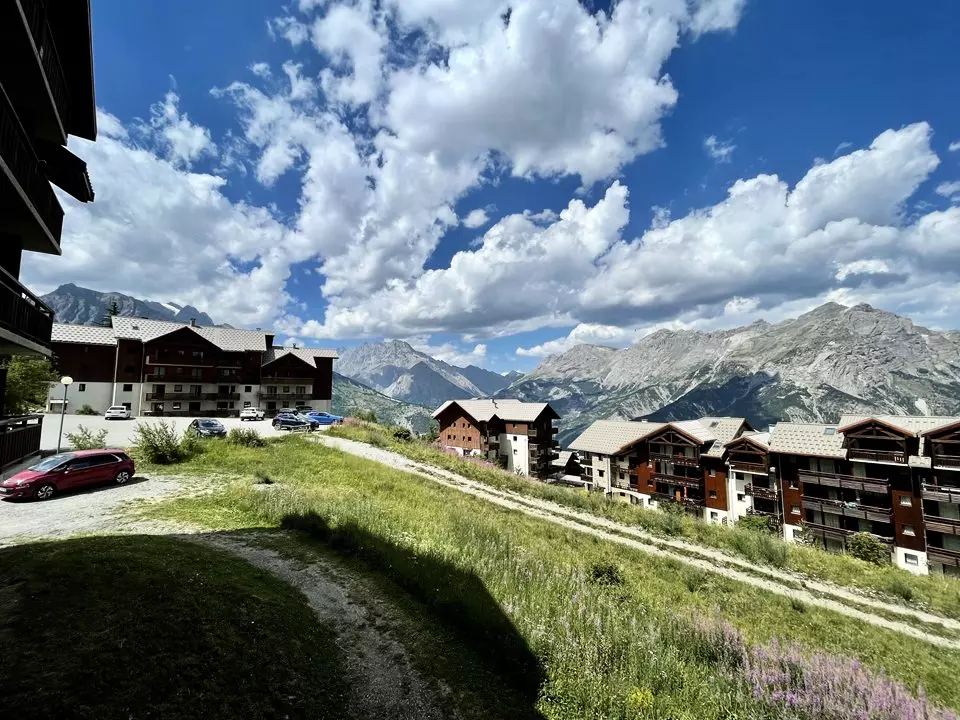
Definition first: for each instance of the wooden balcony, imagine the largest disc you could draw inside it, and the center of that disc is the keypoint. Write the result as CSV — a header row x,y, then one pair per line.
x,y
680,480
622,484
179,360
686,502
883,456
676,459
221,396
841,533
275,380
844,481
940,493
749,467
23,314
36,16
947,526
947,462
19,438
943,556
761,492
283,396
838,507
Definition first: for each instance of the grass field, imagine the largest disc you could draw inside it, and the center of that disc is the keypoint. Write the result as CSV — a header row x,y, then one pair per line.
x,y
602,630
140,626
932,593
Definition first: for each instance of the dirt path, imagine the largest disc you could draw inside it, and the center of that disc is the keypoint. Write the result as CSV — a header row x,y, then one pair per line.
x,y
709,560
383,682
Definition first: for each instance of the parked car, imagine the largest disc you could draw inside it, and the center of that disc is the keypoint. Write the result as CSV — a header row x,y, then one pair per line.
x,y
117,412
305,409
207,427
68,471
289,421
252,413
314,424
325,418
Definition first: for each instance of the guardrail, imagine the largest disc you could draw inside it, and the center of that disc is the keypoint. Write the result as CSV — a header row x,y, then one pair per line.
x,y
22,312
19,438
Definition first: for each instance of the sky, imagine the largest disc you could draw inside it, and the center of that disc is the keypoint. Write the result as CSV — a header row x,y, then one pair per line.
x,y
500,180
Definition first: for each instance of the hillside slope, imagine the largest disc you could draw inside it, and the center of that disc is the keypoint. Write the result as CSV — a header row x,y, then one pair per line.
x,y
351,397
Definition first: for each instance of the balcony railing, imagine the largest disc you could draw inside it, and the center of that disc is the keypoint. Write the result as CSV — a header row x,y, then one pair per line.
x,y
841,533
43,39
19,438
22,312
884,456
623,484
761,492
686,502
680,480
947,461
947,526
838,507
676,459
749,467
943,556
940,493
283,396
179,360
18,155
274,380
844,481
221,396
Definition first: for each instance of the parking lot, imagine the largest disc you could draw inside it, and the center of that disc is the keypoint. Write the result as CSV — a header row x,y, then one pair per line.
x,y
120,432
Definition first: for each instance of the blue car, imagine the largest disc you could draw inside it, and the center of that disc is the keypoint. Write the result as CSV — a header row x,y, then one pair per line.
x,y
325,418
290,421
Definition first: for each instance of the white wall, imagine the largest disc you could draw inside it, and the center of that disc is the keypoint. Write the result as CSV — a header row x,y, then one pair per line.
x,y
735,488
901,555
132,396
516,448
97,395
790,532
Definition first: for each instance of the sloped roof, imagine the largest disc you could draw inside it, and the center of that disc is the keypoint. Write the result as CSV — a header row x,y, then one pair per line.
x,y
508,409
562,458
229,339
84,334
910,424
608,437
760,438
724,430
308,355
807,439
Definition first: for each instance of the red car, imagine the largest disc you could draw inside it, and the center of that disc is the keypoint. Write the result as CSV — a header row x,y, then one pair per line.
x,y
68,471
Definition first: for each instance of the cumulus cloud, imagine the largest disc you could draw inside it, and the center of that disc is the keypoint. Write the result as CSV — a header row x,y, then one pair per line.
x,y
454,355
949,190
720,150
476,218
954,146
179,139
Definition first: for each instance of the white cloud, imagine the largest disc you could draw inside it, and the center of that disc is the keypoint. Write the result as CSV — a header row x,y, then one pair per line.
x,y
476,218
261,70
720,150
954,146
841,147
949,190
450,353
295,32
181,140
712,15
583,334
353,37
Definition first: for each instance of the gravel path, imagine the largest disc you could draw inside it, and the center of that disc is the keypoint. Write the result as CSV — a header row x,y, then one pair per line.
x,y
709,560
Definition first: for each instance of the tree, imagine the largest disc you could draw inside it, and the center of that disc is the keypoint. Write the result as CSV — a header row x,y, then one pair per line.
x,y
866,547
28,382
114,310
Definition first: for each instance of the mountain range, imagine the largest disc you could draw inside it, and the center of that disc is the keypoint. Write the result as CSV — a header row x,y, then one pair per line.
x,y
813,368
351,397
82,306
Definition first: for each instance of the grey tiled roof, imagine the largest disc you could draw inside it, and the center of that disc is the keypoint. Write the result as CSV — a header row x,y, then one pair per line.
x,y
912,424
807,439
85,334
305,354
608,437
229,339
760,438
562,458
723,429
507,409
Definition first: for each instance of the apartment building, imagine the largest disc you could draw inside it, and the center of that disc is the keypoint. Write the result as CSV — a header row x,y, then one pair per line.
x,y
646,463
517,435
154,367
46,95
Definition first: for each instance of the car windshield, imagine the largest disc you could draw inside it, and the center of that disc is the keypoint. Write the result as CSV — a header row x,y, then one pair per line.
x,y
116,407
51,462
210,424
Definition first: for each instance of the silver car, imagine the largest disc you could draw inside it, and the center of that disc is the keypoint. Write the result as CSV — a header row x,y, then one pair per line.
x,y
117,412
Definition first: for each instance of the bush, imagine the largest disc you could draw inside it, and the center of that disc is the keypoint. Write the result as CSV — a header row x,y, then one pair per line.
x,y
366,416
162,444
245,437
606,574
86,410
798,605
756,523
86,439
865,546
671,507
402,434
900,587
379,440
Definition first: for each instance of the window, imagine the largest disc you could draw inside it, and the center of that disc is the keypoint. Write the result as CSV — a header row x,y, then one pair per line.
x,y
599,472
81,387
714,516
194,389
515,452
286,389
910,559
906,501
713,494
248,388
908,530
794,484
713,473
221,406
623,476
246,403
176,406
233,389
161,370
794,509
301,389
128,387
272,390
514,438
128,406
195,372
178,388
830,431
588,472
741,497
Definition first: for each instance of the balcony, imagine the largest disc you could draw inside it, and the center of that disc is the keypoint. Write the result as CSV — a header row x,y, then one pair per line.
x,y
25,316
19,438
686,502
840,533
274,380
948,462
943,556
554,430
884,456
940,493
221,396
947,526
283,396
851,482
36,16
178,360
676,459
838,507
680,480
749,467
623,484
21,166
761,492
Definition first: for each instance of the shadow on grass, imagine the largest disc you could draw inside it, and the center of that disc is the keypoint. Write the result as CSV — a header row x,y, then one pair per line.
x,y
80,491
453,597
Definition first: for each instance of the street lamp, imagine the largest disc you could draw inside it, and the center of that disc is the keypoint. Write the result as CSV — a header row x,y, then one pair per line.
x,y
65,381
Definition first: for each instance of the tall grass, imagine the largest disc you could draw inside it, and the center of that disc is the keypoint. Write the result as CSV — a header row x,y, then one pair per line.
x,y
934,593
614,629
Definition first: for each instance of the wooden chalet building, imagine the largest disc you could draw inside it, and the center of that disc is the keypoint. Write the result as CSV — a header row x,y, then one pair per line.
x,y
46,95
154,367
517,435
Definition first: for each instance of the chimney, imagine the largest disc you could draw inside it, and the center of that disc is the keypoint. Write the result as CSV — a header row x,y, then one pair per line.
x,y
193,322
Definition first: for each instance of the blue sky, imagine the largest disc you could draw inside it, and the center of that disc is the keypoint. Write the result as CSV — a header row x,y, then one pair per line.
x,y
313,166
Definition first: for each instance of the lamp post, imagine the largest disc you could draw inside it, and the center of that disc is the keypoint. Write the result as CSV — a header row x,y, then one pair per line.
x,y
65,381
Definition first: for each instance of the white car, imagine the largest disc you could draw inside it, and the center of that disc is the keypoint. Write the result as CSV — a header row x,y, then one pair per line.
x,y
251,413
117,412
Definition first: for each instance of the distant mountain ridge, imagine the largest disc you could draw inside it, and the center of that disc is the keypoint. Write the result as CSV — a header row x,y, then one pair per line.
x,y
351,397
82,306
399,371
831,360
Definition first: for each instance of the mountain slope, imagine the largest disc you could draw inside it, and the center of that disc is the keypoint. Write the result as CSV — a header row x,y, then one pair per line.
x,y
350,397
82,306
813,368
487,380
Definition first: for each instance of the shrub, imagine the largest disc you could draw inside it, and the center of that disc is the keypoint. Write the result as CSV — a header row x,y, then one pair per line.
x,y
366,416
86,439
378,439
756,523
865,546
695,580
606,574
160,443
672,508
402,434
247,437
86,410
900,587
799,605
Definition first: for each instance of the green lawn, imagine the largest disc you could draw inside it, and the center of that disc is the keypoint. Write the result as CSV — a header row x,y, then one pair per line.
x,y
606,631
932,593
150,627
